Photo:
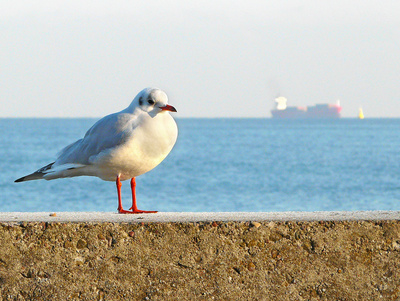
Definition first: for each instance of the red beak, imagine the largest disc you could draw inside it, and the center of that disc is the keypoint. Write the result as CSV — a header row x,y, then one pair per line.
x,y
168,108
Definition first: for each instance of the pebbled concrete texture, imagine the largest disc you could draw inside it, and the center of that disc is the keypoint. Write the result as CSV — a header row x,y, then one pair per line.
x,y
200,256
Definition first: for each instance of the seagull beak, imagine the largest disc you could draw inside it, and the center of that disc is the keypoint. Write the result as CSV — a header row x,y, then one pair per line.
x,y
168,108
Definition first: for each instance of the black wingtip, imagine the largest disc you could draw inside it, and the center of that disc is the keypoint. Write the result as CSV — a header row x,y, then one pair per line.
x,y
36,175
19,180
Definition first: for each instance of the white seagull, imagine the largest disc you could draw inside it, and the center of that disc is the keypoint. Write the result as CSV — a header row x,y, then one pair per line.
x,y
119,146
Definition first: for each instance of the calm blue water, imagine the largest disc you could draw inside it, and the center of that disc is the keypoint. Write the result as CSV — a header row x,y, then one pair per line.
x,y
219,165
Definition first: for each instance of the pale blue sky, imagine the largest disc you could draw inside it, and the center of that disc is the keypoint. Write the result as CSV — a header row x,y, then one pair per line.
x,y
213,58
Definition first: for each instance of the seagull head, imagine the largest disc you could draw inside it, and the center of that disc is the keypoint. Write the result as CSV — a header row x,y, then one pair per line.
x,y
153,101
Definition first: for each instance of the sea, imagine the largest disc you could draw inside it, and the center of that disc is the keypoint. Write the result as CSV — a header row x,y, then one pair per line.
x,y
218,165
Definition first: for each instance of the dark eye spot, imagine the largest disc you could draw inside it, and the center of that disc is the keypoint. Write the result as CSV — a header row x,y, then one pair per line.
x,y
151,102
140,100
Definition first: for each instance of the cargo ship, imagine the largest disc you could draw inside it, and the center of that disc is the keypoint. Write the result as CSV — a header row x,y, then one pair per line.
x,y
321,111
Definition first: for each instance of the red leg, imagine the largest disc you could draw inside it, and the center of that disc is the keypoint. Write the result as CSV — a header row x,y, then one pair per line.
x,y
120,209
134,206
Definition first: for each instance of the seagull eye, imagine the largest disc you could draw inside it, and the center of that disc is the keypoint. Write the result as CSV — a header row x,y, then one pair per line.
x,y
151,102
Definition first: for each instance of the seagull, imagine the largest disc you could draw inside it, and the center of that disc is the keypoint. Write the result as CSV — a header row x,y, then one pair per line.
x,y
119,146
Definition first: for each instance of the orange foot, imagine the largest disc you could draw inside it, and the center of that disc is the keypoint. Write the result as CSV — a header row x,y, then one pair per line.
x,y
137,211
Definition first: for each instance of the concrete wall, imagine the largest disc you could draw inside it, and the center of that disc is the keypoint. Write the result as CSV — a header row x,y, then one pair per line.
x,y
341,260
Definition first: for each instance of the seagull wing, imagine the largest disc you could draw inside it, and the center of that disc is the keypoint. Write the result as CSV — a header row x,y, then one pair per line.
x,y
107,133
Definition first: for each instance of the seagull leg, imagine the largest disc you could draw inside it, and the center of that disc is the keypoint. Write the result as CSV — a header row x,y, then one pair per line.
x,y
120,209
134,206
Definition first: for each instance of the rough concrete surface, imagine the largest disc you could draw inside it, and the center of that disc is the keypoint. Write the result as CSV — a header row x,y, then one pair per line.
x,y
211,260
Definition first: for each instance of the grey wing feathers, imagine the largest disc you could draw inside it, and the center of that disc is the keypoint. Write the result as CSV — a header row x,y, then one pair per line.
x,y
104,134
107,133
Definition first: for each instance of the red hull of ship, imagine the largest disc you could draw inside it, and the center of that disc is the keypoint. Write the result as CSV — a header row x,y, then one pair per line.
x,y
318,111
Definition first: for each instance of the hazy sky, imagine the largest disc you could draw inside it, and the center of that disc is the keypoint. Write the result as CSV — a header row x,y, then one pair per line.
x,y
213,58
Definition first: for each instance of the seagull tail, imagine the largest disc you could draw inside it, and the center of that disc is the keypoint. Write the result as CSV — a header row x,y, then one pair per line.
x,y
37,175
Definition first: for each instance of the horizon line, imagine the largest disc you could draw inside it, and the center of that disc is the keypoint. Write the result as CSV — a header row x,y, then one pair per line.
x,y
200,117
